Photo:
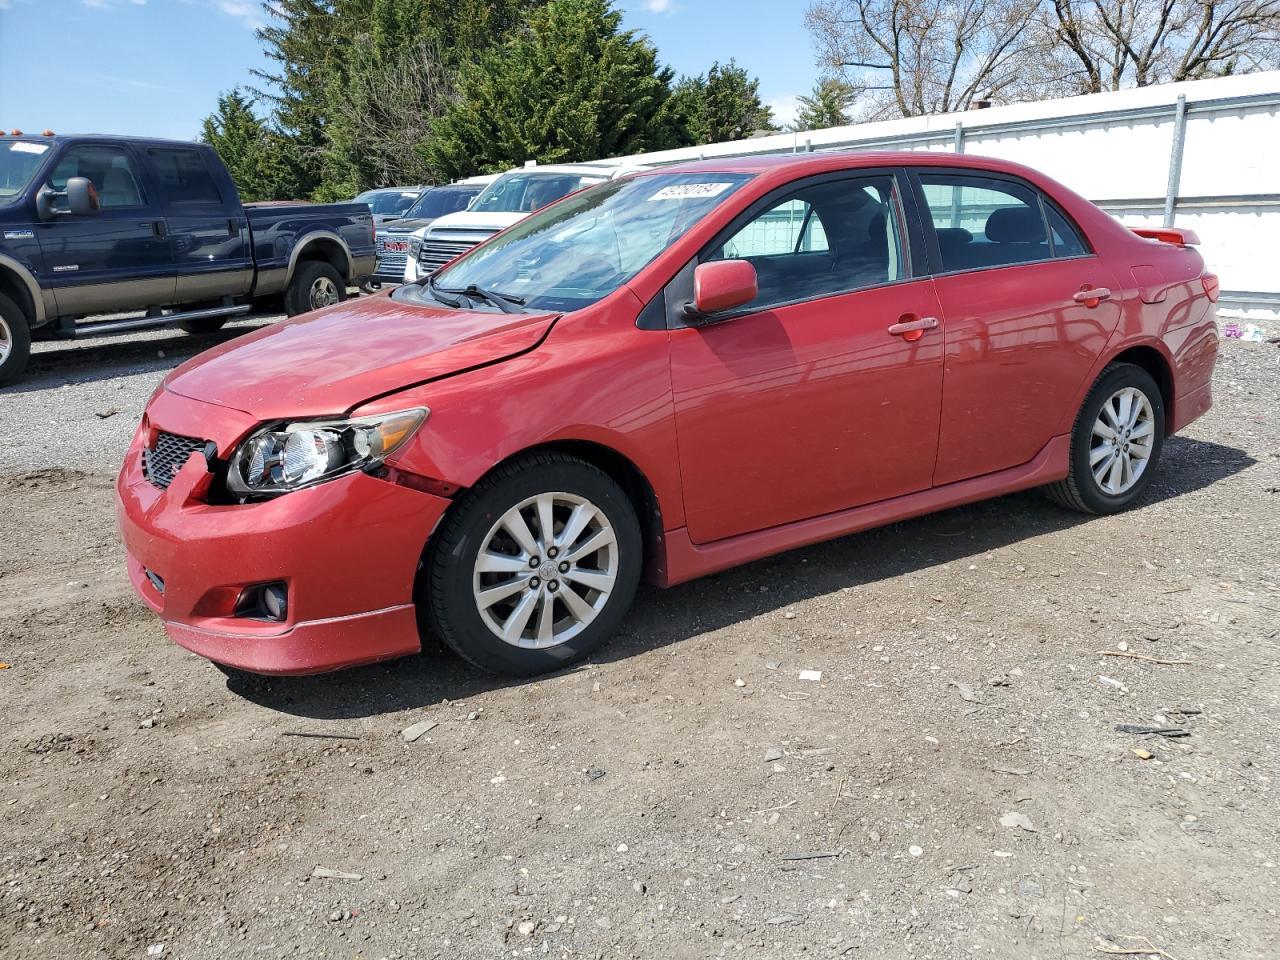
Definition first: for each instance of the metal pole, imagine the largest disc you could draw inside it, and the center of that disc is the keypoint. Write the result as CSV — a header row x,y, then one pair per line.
x,y
1175,159
957,141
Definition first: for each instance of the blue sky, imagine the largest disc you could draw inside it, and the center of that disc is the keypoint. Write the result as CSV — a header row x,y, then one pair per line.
x,y
155,67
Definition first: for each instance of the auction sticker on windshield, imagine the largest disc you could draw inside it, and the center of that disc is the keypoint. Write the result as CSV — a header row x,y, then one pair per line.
x,y
22,146
690,191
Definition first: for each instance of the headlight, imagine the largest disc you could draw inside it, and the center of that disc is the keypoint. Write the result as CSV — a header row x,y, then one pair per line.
x,y
288,457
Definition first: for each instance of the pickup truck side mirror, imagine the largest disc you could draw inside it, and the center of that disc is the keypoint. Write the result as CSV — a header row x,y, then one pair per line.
x,y
81,197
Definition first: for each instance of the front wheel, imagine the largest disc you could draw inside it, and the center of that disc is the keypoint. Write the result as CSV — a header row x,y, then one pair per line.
x,y
15,341
1116,443
316,284
535,567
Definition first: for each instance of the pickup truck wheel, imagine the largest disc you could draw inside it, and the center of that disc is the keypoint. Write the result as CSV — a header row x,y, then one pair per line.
x,y
15,341
316,284
204,324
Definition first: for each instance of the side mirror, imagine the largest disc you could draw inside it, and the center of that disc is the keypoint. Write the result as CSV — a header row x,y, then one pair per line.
x,y
81,197
722,285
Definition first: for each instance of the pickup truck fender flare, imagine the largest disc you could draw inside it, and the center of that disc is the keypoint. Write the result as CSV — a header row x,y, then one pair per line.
x,y
28,280
310,239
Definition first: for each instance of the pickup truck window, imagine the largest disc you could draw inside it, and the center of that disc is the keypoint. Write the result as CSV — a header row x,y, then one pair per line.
x,y
184,177
19,160
110,171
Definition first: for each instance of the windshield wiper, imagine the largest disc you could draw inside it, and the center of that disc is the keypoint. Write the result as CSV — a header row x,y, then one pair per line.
x,y
441,294
503,301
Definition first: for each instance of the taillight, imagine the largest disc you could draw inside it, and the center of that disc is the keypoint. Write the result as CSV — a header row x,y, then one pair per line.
x,y
1210,283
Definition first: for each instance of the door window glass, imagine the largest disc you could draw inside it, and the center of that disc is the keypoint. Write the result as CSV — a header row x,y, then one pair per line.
x,y
107,168
982,222
184,177
830,237
1066,238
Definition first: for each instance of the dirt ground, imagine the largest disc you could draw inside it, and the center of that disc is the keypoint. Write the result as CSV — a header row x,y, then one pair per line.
x,y
954,786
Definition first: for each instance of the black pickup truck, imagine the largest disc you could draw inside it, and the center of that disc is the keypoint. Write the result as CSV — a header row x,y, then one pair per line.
x,y
91,225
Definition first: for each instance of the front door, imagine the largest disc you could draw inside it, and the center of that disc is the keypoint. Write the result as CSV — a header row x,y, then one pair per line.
x,y
804,402
1020,337
119,258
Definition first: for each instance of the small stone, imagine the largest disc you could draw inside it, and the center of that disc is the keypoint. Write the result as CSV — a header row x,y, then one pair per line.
x,y
623,848
147,724
335,916
155,950
1122,646
772,664
327,873
790,615
526,927
413,733
739,682
915,851
639,887
814,675
1141,754
594,774
1019,820
772,754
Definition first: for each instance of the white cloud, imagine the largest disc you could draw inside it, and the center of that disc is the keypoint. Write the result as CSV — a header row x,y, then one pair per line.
x,y
95,4
247,10
785,107
658,6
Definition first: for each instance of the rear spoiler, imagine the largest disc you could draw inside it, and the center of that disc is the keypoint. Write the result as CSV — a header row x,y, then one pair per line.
x,y
1178,236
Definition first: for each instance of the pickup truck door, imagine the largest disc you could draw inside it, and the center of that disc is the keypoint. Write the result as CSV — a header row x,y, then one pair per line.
x,y
209,229
120,258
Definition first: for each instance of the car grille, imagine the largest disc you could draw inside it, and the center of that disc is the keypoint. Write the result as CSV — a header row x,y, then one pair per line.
x,y
391,262
434,254
161,463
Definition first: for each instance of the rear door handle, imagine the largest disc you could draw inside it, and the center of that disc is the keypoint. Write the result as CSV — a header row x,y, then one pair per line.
x,y
912,330
1091,296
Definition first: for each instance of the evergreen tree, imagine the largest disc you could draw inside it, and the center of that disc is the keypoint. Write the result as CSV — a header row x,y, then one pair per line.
x,y
722,105
571,86
827,106
255,155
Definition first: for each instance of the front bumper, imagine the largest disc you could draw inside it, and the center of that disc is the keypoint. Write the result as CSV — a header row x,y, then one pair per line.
x,y
347,551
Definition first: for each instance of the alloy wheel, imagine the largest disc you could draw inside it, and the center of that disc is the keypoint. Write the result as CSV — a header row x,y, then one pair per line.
x,y
324,293
545,570
6,340
1123,441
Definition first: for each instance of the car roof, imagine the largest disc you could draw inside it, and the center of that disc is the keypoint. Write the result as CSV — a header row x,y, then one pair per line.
x,y
791,165
107,138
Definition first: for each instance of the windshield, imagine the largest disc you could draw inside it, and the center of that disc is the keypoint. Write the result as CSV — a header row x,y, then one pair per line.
x,y
581,250
18,162
437,203
525,192
388,201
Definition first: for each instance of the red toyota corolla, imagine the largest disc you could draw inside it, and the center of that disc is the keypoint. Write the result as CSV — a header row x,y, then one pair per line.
x,y
661,376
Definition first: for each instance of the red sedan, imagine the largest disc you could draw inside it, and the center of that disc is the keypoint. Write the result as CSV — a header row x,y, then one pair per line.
x,y
660,376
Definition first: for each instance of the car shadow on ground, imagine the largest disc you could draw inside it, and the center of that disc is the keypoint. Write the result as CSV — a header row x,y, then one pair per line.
x,y
54,362
662,617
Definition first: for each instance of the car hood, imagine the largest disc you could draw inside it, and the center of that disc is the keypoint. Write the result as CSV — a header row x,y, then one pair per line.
x,y
478,221
329,361
407,225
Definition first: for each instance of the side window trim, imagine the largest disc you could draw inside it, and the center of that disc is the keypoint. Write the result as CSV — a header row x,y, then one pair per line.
x,y
679,289
930,236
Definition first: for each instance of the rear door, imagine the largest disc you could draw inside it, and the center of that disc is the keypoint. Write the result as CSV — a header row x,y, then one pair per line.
x,y
209,228
805,402
1019,338
119,258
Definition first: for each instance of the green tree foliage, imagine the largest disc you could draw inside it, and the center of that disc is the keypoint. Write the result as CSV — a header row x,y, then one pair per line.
x,y
255,155
722,105
827,106
571,86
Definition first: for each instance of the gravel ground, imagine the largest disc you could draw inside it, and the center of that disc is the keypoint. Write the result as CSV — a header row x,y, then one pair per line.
x,y
953,786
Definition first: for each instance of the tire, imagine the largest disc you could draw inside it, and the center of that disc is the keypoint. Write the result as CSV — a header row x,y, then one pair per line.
x,y
204,324
314,280
1111,491
448,600
15,341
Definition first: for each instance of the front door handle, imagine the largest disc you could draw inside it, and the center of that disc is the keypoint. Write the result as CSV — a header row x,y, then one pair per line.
x,y
913,329
1091,296
159,229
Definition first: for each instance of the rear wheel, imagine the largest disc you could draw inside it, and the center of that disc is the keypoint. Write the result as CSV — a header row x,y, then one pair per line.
x,y
535,567
15,341
316,284
203,324
1115,444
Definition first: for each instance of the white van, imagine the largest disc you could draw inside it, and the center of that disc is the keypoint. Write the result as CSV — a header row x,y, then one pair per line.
x,y
509,199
